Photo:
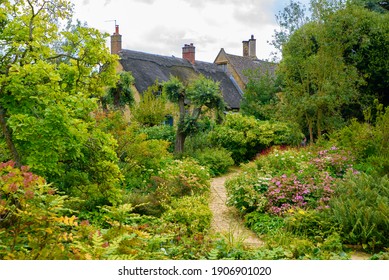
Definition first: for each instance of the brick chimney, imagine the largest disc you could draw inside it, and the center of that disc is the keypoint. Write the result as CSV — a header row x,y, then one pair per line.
x,y
116,41
189,52
245,48
249,47
252,47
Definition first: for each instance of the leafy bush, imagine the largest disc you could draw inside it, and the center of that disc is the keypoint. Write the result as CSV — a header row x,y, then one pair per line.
x,y
33,224
312,224
289,192
152,108
181,178
264,223
144,159
245,136
361,207
139,157
246,191
291,179
369,144
191,213
161,132
218,160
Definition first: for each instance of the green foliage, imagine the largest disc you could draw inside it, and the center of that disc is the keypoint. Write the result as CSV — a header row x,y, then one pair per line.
x,y
152,108
281,181
33,224
368,142
311,224
202,95
191,213
205,92
183,177
121,94
259,98
50,81
174,89
139,157
264,223
177,179
334,67
218,160
160,132
361,207
245,136
246,191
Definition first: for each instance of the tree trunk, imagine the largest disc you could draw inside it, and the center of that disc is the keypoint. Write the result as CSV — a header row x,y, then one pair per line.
x,y
319,118
310,127
8,137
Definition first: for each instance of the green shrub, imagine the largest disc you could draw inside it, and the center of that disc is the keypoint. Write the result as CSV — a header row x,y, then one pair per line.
x,y
197,142
361,207
312,224
161,132
246,191
181,178
263,223
33,221
245,136
218,160
152,109
191,212
369,144
144,159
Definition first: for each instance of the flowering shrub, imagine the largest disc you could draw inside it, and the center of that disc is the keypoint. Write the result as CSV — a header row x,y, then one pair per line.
x,y
335,161
288,192
295,179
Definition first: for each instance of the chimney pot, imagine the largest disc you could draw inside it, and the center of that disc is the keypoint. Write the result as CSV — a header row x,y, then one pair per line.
x,y
116,41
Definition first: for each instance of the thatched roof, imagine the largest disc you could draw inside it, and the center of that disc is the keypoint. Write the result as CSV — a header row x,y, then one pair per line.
x,y
147,68
243,63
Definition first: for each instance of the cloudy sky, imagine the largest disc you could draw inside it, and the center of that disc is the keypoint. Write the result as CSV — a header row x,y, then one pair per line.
x,y
164,26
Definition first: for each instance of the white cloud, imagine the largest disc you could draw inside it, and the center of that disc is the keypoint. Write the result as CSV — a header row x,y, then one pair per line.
x,y
162,27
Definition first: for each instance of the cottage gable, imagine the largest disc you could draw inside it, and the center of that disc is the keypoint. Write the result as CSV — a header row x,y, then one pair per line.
x,y
236,65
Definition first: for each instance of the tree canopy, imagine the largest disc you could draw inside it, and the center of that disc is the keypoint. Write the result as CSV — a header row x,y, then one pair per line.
x,y
334,66
51,77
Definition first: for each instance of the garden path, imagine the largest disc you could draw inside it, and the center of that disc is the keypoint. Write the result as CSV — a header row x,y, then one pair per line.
x,y
226,221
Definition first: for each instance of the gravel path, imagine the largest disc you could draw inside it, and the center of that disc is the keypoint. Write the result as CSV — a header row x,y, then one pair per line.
x,y
226,220
227,223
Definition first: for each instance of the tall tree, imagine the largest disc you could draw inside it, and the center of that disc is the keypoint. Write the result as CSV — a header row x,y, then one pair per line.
x,y
200,94
317,81
50,80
